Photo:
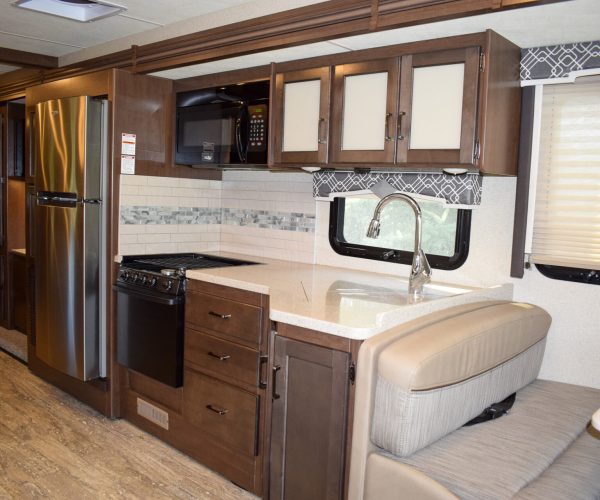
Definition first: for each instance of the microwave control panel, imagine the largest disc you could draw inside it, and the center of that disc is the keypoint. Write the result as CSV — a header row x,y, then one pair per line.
x,y
257,138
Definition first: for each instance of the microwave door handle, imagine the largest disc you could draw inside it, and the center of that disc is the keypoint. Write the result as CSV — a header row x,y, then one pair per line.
x,y
238,139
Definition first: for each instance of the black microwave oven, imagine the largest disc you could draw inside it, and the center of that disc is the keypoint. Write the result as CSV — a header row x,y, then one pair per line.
x,y
223,125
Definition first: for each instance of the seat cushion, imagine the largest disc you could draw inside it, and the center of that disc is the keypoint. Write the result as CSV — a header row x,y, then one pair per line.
x,y
574,475
502,457
433,381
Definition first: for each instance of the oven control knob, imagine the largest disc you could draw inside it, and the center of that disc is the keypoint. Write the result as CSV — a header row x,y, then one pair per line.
x,y
152,282
123,275
168,284
135,277
143,279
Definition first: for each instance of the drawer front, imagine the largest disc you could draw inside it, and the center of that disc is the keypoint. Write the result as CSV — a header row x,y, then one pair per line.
x,y
227,317
220,409
221,356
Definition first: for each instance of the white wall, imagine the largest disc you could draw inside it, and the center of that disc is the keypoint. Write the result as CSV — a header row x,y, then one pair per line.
x,y
573,346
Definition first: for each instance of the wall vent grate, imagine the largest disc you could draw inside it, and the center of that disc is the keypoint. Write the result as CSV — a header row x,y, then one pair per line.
x,y
153,413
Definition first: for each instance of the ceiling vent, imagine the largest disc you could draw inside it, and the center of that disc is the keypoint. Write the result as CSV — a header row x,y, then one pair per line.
x,y
79,10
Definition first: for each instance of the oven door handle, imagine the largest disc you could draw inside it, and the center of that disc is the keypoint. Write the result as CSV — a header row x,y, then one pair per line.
x,y
169,301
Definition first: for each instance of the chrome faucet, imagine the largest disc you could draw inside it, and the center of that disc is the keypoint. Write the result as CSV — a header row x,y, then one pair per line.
x,y
420,272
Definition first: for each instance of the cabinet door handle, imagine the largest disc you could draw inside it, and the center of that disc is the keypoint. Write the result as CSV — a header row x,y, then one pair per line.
x,y
219,411
222,316
274,392
262,383
388,137
220,357
400,115
320,132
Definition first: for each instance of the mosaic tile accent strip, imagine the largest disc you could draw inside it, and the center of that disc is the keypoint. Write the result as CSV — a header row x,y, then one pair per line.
x,y
282,221
455,189
556,61
269,220
169,215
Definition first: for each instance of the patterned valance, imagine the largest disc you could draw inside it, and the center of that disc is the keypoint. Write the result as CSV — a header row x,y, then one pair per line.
x,y
463,190
557,61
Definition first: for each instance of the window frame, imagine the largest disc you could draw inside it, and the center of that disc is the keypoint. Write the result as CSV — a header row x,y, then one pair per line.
x,y
342,247
563,273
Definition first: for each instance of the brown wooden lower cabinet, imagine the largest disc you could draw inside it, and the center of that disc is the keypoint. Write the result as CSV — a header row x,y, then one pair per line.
x,y
220,414
309,420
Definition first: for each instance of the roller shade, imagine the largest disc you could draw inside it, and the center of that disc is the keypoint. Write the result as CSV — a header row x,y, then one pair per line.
x,y
566,228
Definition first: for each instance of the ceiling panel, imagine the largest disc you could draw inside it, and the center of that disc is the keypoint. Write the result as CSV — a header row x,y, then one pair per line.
x,y
551,24
574,21
163,13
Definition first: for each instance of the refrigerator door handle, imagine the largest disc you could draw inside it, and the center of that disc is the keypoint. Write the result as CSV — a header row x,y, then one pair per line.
x,y
56,201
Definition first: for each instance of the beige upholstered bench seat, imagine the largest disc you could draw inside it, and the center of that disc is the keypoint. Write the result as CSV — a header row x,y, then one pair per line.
x,y
543,449
419,383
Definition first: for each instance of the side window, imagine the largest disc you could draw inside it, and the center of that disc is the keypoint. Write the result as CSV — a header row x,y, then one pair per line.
x,y
566,230
445,240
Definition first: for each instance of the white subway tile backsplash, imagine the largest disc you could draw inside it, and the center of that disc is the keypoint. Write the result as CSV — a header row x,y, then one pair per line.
x,y
130,189
161,248
255,213
133,200
132,228
134,180
154,238
128,239
163,181
132,249
210,246
155,191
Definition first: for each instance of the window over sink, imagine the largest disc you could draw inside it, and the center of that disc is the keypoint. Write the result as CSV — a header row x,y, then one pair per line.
x,y
445,239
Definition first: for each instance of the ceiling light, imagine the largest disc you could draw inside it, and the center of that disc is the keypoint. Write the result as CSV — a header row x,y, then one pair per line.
x,y
79,10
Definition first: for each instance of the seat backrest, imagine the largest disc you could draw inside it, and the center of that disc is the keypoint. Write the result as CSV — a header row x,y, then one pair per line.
x,y
421,380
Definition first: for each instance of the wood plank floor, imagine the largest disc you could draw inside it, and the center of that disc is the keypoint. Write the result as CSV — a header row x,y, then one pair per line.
x,y
14,342
52,446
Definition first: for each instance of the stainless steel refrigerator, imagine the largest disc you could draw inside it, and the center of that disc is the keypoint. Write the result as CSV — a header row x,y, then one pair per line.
x,y
70,234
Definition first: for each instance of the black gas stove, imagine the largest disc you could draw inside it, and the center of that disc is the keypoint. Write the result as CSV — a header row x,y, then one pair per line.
x,y
151,311
165,273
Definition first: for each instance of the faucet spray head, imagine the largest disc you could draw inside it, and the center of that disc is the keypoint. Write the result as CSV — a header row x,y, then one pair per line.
x,y
374,228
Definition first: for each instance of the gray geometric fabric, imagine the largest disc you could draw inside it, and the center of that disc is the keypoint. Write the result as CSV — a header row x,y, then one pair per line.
x,y
555,61
462,189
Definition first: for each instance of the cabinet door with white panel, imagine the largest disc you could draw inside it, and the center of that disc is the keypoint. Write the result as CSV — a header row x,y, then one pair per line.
x,y
302,119
365,101
437,112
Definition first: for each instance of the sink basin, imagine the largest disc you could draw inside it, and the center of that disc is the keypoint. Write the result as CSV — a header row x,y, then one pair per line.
x,y
398,295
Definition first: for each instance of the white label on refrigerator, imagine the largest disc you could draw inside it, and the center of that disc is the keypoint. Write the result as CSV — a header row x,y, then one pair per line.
x,y
127,164
128,144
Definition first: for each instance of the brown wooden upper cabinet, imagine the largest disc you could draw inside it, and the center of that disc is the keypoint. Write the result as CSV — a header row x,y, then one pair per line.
x,y
452,102
418,109
364,112
302,116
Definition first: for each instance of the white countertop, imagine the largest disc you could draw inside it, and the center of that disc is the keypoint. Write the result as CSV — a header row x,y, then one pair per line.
x,y
339,301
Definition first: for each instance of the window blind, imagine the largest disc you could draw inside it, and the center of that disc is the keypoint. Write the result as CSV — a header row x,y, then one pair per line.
x,y
566,227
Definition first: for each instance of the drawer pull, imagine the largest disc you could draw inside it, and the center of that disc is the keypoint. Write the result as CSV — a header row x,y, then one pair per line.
x,y
220,357
222,316
262,383
219,411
